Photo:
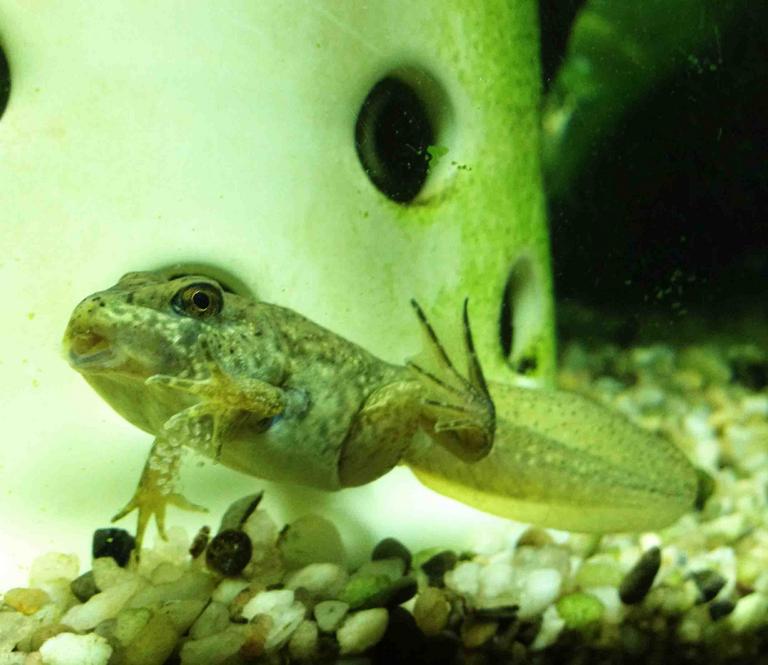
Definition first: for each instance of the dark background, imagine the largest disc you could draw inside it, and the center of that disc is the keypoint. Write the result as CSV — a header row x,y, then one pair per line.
x,y
667,220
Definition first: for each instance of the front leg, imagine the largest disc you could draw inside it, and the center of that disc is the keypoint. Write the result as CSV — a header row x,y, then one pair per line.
x,y
203,427
222,398
157,486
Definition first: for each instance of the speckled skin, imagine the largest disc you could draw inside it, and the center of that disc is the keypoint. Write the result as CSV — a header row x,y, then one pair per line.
x,y
264,390
257,387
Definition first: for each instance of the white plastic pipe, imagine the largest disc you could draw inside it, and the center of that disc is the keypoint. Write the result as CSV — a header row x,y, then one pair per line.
x,y
143,134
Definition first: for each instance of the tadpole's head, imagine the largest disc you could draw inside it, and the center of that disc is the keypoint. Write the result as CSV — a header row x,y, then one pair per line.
x,y
148,323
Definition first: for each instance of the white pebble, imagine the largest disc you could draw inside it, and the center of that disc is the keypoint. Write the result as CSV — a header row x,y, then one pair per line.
x,y
285,612
130,623
14,627
266,602
464,579
303,642
697,424
106,573
497,585
609,597
488,541
261,529
551,626
322,580
538,590
393,568
227,589
362,630
53,566
71,649
750,613
213,619
213,649
329,614
756,405
104,605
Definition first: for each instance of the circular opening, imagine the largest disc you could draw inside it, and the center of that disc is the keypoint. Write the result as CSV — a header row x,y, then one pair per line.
x,y
520,317
5,81
393,136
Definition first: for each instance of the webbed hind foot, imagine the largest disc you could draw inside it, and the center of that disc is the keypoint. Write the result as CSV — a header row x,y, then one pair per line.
x,y
460,407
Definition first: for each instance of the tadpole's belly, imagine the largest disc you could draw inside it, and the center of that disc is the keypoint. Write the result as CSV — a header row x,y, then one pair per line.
x,y
300,446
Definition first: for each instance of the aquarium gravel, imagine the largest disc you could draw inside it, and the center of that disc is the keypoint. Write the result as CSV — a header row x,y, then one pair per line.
x,y
258,592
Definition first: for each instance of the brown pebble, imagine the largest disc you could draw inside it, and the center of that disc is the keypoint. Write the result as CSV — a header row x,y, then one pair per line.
x,y
45,633
84,587
241,599
257,637
637,582
229,552
476,633
24,600
200,542
431,610
535,537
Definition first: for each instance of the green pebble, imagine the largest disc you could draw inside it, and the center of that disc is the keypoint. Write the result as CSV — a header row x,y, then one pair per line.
x,y
598,573
580,610
361,589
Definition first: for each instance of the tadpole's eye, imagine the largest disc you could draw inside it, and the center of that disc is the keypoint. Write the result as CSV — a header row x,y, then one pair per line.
x,y
200,301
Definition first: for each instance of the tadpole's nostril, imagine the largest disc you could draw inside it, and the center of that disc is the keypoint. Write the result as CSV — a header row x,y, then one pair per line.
x,y
87,343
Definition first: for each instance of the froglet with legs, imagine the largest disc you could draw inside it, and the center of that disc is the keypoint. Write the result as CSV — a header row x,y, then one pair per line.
x,y
266,391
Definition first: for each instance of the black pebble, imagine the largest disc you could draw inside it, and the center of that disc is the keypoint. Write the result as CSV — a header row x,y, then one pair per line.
x,y
402,642
391,548
709,582
239,511
704,487
229,552
751,373
116,543
637,582
438,566
501,613
84,587
720,609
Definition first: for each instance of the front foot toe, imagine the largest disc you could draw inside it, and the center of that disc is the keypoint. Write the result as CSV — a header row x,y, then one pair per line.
x,y
151,502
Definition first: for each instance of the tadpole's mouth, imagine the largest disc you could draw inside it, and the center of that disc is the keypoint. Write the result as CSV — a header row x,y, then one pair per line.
x,y
90,350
